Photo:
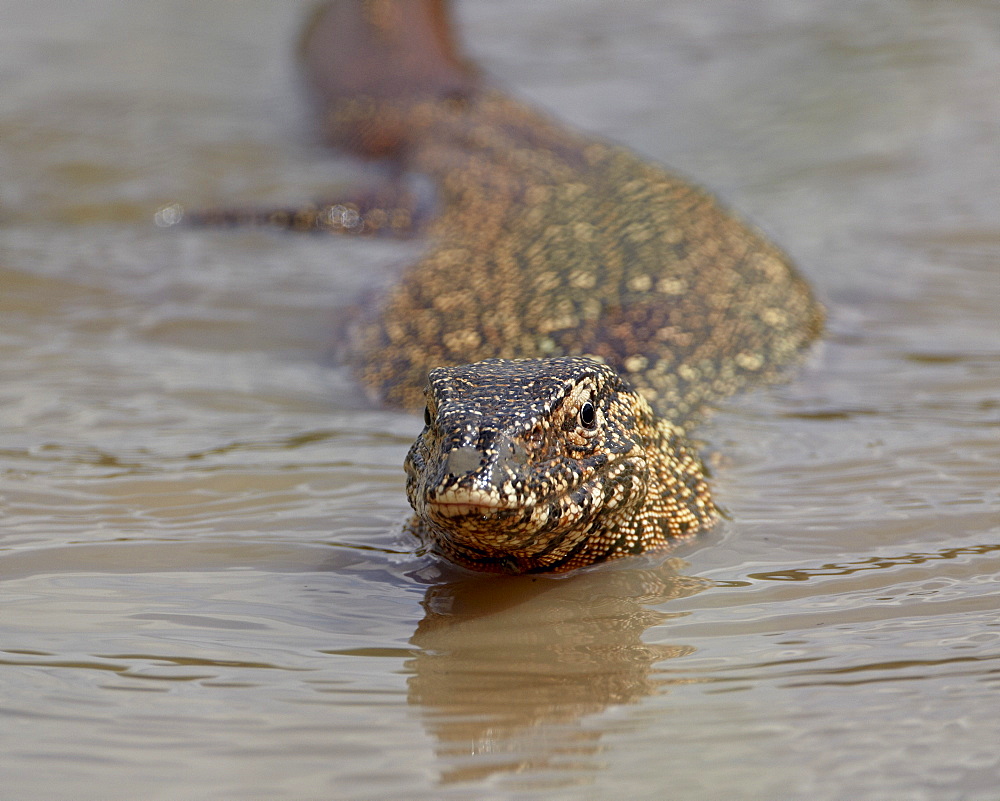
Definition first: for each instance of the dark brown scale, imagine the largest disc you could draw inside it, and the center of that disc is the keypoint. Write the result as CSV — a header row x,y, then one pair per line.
x,y
547,244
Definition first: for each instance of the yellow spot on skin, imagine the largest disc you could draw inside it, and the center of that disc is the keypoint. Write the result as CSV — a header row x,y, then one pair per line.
x,y
459,342
671,286
636,364
673,235
454,257
590,309
687,372
772,267
749,361
776,318
638,232
641,283
450,302
547,281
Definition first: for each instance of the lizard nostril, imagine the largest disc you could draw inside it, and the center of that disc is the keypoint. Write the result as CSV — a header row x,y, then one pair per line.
x,y
464,460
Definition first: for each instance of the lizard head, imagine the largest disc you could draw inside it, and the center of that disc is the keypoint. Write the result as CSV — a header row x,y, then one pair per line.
x,y
547,465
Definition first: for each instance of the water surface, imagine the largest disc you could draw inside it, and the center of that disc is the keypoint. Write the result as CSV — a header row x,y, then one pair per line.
x,y
204,591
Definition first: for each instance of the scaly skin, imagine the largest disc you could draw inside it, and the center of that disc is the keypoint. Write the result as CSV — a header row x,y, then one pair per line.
x,y
547,465
547,243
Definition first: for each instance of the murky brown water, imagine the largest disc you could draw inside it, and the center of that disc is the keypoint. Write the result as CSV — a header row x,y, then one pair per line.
x,y
204,593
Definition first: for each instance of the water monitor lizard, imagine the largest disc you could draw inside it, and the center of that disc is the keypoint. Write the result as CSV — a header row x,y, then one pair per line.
x,y
549,245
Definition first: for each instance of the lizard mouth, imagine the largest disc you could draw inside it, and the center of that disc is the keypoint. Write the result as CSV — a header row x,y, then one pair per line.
x,y
478,510
450,509
470,501
484,518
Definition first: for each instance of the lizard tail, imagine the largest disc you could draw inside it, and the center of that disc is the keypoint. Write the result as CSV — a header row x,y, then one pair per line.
x,y
363,59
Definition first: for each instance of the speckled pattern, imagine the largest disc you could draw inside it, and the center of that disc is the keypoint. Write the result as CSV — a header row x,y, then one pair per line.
x,y
549,243
547,465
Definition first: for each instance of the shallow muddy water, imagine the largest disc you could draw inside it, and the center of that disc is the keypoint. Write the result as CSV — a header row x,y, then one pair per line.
x,y
204,591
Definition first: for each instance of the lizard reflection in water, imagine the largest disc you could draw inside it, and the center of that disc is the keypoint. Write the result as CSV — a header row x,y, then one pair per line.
x,y
635,297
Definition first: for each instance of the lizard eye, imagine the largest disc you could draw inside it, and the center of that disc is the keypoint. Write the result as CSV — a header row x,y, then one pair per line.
x,y
427,416
588,416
